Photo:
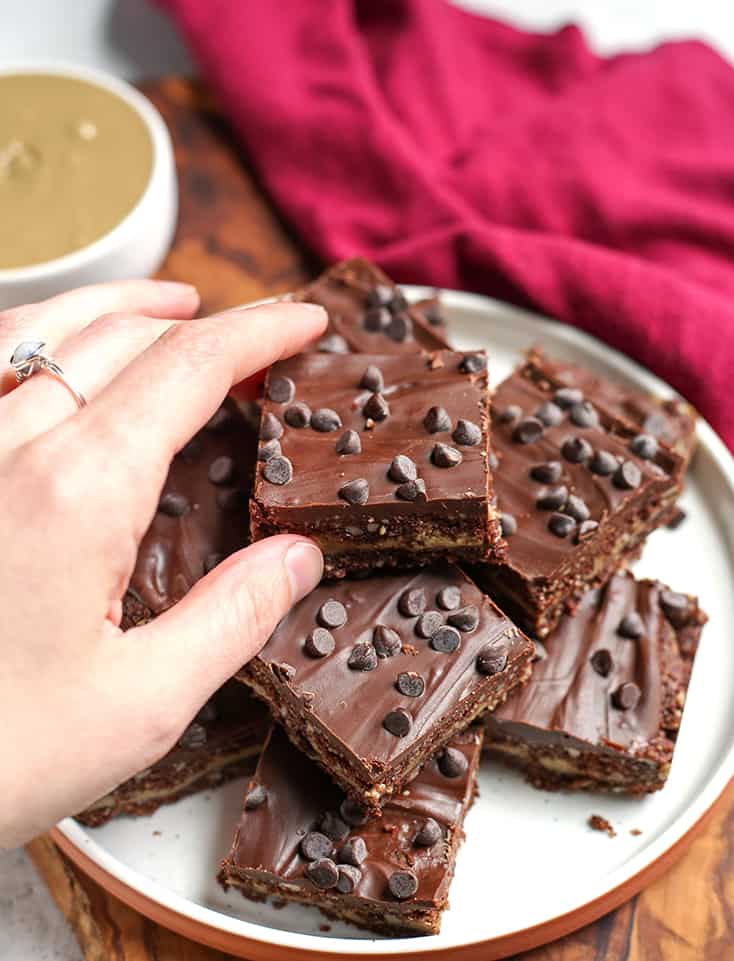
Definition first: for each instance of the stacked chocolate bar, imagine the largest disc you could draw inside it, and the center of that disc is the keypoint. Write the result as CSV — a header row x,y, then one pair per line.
x,y
384,684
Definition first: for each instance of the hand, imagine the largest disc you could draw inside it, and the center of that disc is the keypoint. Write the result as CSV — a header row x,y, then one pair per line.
x,y
83,706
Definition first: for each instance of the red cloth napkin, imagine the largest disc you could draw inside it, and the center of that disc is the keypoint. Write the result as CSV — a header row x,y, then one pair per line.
x,y
460,152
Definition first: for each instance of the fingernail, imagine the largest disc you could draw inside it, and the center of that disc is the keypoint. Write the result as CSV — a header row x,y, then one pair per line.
x,y
305,565
177,287
314,308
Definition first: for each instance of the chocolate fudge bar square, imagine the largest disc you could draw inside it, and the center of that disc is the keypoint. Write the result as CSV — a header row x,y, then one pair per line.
x,y
300,839
607,693
578,491
371,677
380,459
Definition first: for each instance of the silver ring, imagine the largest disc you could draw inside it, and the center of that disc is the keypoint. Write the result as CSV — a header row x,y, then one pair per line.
x,y
28,359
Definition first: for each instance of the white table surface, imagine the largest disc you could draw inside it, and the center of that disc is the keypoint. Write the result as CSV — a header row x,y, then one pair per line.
x,y
131,38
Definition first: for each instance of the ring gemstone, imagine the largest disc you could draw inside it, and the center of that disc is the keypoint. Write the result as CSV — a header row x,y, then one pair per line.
x,y
25,351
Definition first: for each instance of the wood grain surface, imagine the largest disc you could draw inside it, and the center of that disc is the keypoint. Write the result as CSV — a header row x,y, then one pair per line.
x,y
234,248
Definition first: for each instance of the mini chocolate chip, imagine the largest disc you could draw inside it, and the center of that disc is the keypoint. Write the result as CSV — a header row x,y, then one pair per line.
x,y
472,364
465,619
386,641
173,505
191,452
584,415
355,492
655,423
325,420
492,659
550,414
332,344
349,443
631,626
445,640
586,529
528,430
602,662
676,520
372,379
429,833
444,456
334,827
222,470
414,490
380,295
436,420
645,446
552,498
332,614
576,508
410,684
676,607
297,415
319,643
412,602
508,525
255,797
397,722
316,845
230,499
211,561
377,319
268,449
398,301
428,623
568,396
576,449
348,879
363,657
278,470
627,696
399,328
220,419
402,884
627,476
452,762
323,873
467,433
434,316
510,414
603,463
194,736
449,598
353,851
353,813
561,524
402,469
548,473
376,408
281,390
270,427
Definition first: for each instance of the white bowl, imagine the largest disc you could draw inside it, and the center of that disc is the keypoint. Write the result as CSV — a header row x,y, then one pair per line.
x,y
136,246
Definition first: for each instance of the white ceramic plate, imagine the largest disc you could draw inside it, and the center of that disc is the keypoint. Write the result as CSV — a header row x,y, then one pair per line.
x,y
530,868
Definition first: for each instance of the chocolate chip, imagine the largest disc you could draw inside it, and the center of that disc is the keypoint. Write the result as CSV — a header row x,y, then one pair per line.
x,y
211,561
576,449
445,640
414,490
627,696
449,598
222,470
332,344
402,469
528,430
584,415
467,433
552,498
231,499
323,873
278,470
348,879
508,525
410,684
377,319
412,602
465,619
399,328
316,845
548,473
472,364
676,607
381,295
561,524
436,420
190,453
576,508
398,302
220,419
269,449
492,659
631,626
444,456
297,415
627,476
334,827
255,797
510,414
319,643
270,427
281,390
550,414
283,670
194,736
353,813
432,313
173,505
349,443
372,379
429,833
645,446
353,851
586,529
355,492
386,641
603,463
568,396
332,614
602,662
402,884
397,722
325,420
363,657
452,762
376,408
428,623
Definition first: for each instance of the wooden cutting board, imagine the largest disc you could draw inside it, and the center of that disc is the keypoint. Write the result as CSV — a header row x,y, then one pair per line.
x,y
232,245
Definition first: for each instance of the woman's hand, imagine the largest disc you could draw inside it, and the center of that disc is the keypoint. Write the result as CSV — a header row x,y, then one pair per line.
x,y
82,704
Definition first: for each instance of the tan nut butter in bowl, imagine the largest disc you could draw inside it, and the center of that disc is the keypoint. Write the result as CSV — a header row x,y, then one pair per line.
x,y
75,159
